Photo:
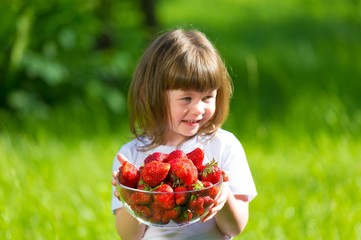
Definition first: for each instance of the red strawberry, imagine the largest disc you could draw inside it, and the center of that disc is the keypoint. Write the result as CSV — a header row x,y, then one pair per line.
x,y
211,172
176,154
200,168
166,197
181,197
197,156
157,213
125,194
208,201
154,173
207,184
184,216
196,205
128,175
141,198
198,185
211,190
156,156
142,210
170,214
184,171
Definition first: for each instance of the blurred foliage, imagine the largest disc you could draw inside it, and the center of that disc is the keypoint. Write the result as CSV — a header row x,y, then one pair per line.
x,y
64,52
293,62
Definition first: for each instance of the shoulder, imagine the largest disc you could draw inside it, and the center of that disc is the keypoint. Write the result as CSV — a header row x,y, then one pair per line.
x,y
221,133
220,139
224,137
222,145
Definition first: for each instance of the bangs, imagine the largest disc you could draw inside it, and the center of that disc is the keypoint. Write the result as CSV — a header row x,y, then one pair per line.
x,y
194,72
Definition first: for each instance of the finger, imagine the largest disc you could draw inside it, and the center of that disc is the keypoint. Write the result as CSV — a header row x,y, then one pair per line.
x,y
115,173
213,211
116,194
225,176
114,183
207,217
223,195
121,158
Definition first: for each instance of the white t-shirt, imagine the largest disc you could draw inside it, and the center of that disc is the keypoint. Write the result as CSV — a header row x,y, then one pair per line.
x,y
224,148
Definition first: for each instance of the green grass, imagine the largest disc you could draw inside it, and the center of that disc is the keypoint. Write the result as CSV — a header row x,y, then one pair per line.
x,y
53,187
308,189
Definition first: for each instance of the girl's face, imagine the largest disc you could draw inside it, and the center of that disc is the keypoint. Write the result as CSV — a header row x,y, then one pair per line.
x,y
189,110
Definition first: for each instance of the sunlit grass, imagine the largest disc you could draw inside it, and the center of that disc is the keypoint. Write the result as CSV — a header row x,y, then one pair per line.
x,y
308,189
53,188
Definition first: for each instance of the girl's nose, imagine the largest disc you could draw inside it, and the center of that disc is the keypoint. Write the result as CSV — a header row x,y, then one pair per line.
x,y
198,108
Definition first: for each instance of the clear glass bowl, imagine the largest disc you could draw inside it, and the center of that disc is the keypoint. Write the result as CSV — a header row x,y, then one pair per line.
x,y
160,209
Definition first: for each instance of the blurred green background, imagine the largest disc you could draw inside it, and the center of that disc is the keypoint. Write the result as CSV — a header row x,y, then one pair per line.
x,y
65,67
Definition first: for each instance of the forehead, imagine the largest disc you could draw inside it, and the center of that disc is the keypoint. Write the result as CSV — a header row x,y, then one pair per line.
x,y
178,93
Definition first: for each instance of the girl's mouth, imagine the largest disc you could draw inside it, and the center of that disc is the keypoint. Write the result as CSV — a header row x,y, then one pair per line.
x,y
191,121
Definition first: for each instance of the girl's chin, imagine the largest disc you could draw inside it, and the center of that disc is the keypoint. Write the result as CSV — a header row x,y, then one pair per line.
x,y
190,134
190,127
184,132
187,134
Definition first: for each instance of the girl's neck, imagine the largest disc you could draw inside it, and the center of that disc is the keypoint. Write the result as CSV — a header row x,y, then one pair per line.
x,y
177,143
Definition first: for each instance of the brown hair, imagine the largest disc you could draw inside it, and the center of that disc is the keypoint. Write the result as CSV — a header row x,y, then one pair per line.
x,y
179,59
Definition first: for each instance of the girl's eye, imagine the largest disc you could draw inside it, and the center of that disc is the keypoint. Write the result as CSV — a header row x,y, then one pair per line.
x,y
207,98
187,99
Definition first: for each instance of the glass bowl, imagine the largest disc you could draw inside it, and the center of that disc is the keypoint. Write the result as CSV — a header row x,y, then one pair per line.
x,y
168,209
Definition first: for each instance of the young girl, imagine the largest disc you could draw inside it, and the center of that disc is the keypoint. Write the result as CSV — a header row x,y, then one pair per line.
x,y
178,99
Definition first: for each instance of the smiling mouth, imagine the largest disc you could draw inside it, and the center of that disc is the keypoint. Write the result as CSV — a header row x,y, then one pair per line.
x,y
191,121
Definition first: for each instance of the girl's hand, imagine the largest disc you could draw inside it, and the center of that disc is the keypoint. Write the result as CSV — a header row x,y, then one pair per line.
x,y
220,200
121,159
115,175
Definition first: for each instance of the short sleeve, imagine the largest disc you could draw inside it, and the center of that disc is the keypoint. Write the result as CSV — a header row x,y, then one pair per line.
x,y
229,152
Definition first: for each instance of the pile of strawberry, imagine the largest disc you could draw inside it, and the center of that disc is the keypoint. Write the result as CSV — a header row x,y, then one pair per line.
x,y
172,175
